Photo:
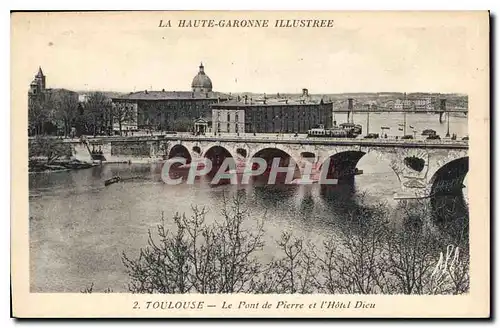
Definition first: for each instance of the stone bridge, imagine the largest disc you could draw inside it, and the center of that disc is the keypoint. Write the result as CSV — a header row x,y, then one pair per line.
x,y
423,167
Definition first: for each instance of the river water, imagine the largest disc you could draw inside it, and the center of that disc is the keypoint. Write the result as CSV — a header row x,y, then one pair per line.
x,y
79,228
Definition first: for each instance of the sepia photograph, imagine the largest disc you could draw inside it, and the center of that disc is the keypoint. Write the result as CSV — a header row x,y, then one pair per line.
x,y
250,163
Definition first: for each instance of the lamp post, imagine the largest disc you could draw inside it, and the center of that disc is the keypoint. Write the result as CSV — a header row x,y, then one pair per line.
x,y
367,122
448,124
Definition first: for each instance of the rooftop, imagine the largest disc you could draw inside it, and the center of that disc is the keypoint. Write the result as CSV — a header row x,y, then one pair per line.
x,y
264,101
166,95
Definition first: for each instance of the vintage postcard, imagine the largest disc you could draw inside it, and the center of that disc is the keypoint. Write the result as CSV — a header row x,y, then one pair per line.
x,y
250,164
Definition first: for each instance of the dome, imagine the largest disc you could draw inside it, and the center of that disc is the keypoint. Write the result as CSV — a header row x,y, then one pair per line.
x,y
201,82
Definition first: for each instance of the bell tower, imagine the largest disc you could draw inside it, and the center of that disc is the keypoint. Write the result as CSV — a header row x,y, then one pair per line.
x,y
37,86
40,78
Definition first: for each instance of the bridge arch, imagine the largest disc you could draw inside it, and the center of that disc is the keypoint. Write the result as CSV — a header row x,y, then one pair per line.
x,y
290,151
217,154
180,150
446,192
342,164
269,153
449,178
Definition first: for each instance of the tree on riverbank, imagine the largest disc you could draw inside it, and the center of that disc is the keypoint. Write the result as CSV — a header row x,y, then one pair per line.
x,y
123,113
66,110
47,149
96,116
370,255
40,113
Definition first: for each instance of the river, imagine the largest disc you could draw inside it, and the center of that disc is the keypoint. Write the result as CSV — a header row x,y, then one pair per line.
x,y
79,228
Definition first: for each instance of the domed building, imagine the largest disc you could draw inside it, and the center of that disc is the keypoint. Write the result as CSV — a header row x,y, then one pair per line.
x,y
173,110
201,82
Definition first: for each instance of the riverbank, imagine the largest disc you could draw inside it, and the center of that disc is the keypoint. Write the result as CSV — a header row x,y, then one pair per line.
x,y
37,165
136,160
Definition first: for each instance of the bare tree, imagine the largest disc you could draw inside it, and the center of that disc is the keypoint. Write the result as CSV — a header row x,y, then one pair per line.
x,y
98,112
40,111
66,110
216,258
410,260
294,272
353,263
236,264
162,266
368,255
123,113
48,148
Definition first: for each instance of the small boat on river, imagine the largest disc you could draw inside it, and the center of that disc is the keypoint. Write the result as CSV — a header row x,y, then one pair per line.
x,y
112,180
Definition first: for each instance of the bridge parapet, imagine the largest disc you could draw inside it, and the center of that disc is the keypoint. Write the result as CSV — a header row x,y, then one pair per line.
x,y
407,143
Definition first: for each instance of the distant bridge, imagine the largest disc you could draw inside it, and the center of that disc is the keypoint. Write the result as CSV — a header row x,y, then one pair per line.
x,y
388,110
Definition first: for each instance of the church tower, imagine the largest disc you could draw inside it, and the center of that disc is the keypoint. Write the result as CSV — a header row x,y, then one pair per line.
x,y
37,86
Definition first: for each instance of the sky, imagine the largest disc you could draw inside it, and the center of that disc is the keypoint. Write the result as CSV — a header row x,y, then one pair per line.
x,y
363,52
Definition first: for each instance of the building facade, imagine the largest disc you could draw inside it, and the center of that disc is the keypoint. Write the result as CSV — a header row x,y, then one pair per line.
x,y
171,110
423,104
228,120
271,115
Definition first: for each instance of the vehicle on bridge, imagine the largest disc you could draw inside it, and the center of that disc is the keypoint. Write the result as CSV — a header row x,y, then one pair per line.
x,y
428,132
433,137
344,130
355,128
372,136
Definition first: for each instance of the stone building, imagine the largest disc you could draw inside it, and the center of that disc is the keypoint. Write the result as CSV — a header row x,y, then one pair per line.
x,y
424,104
271,115
172,110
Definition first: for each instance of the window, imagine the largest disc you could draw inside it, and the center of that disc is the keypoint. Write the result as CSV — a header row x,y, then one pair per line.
x,y
236,117
229,117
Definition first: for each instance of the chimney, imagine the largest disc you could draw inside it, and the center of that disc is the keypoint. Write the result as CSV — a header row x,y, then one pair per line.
x,y
349,103
162,90
305,92
146,91
442,104
246,99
